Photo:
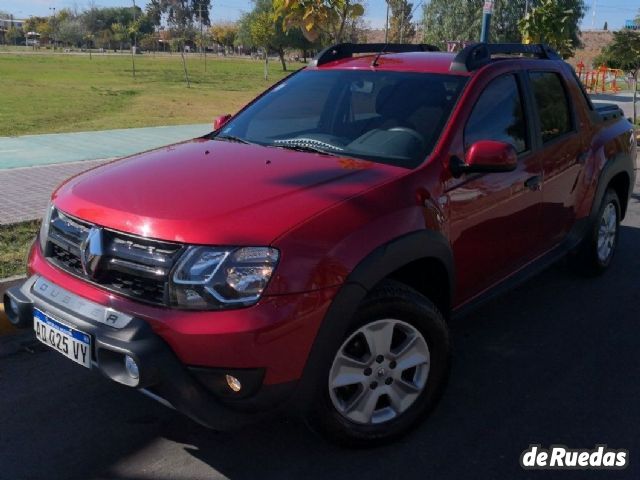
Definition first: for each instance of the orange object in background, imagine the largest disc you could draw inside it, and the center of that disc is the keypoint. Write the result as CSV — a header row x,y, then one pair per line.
x,y
601,79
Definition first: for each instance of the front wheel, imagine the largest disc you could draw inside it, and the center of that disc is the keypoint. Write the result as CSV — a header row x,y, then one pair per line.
x,y
388,372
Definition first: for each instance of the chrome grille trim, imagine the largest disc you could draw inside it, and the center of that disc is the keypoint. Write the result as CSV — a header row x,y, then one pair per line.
x,y
135,267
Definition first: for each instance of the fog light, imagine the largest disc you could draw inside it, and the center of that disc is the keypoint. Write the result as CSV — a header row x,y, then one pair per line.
x,y
233,382
132,367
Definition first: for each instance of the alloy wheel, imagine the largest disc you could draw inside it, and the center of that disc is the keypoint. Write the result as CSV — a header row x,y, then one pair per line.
x,y
379,371
607,231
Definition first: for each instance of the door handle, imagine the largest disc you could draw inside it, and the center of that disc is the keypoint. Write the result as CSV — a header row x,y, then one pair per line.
x,y
533,183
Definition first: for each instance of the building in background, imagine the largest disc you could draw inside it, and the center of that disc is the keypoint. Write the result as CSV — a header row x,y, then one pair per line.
x,y
6,24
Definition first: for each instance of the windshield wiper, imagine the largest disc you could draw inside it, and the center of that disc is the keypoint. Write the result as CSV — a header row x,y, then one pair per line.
x,y
303,148
231,138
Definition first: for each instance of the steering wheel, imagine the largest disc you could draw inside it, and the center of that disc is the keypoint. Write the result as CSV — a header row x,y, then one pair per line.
x,y
410,131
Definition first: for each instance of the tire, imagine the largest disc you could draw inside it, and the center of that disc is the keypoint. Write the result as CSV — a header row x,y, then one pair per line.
x,y
597,249
397,312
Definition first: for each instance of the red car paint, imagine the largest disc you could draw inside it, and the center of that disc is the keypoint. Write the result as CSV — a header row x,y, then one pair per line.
x,y
327,214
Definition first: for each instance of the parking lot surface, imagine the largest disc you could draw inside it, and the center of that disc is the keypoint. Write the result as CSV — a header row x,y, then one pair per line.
x,y
553,362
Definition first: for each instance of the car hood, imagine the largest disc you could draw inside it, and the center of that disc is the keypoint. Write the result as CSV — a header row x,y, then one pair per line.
x,y
215,192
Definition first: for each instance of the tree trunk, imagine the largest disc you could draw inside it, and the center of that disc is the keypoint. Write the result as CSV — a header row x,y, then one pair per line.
x,y
266,65
343,21
635,94
281,55
184,66
133,62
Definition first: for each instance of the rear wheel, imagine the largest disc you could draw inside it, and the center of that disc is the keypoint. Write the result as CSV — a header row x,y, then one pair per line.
x,y
388,371
598,247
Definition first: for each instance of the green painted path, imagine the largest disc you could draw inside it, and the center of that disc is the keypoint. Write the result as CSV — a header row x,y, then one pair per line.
x,y
37,150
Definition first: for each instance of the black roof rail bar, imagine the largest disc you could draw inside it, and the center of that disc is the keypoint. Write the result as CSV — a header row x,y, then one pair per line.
x,y
477,55
346,50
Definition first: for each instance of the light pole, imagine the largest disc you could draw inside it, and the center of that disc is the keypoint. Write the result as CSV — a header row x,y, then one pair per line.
x,y
53,27
487,10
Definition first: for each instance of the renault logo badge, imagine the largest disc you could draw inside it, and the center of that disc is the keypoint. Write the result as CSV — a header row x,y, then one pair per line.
x,y
91,251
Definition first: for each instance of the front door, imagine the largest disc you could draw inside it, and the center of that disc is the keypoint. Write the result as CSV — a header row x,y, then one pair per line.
x,y
494,217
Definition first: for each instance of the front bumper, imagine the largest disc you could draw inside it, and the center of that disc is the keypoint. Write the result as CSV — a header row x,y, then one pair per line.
x,y
200,393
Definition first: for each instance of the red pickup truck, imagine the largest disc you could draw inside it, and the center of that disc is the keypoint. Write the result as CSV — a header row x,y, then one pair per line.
x,y
307,255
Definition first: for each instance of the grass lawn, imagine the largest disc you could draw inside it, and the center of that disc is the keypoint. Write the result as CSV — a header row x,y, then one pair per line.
x,y
45,93
15,241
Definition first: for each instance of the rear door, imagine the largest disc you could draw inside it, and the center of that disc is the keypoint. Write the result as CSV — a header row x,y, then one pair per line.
x,y
561,144
495,216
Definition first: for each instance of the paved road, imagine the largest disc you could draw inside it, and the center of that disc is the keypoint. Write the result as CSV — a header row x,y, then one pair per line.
x,y
624,100
553,362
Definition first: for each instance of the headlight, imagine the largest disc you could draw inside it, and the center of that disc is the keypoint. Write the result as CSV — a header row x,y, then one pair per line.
x,y
208,278
44,227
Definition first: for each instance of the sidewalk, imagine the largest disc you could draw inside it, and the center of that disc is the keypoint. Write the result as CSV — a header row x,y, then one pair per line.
x,y
25,192
32,150
32,166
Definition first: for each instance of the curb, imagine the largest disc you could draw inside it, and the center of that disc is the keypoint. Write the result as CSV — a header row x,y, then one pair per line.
x,y
5,283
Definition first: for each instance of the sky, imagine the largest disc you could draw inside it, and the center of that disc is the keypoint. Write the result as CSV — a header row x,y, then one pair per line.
x,y
614,12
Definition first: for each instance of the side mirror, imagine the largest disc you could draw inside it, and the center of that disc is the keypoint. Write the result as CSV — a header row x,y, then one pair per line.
x,y
486,156
219,122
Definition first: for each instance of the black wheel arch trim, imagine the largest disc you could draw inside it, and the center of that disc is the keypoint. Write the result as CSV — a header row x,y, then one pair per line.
x,y
620,163
375,267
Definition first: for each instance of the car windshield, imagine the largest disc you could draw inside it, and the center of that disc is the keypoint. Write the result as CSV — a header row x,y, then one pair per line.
x,y
388,117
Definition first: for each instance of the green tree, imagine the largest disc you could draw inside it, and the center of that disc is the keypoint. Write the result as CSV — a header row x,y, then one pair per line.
x,y
263,33
224,34
401,27
119,33
180,17
154,12
264,28
452,20
461,20
554,22
13,34
624,53
35,24
104,38
319,18
70,32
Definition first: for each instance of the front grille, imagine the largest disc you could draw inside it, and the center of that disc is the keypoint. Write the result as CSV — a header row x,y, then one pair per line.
x,y
132,266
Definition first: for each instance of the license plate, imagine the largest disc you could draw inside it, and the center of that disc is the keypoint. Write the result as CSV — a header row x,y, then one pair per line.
x,y
70,342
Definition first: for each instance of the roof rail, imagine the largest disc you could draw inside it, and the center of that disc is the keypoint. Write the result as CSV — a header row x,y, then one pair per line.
x,y
346,50
477,55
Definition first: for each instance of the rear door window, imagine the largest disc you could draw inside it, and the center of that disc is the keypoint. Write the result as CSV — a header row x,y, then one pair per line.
x,y
552,104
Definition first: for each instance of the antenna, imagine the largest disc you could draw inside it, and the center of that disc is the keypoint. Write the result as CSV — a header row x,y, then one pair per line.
x,y
375,60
